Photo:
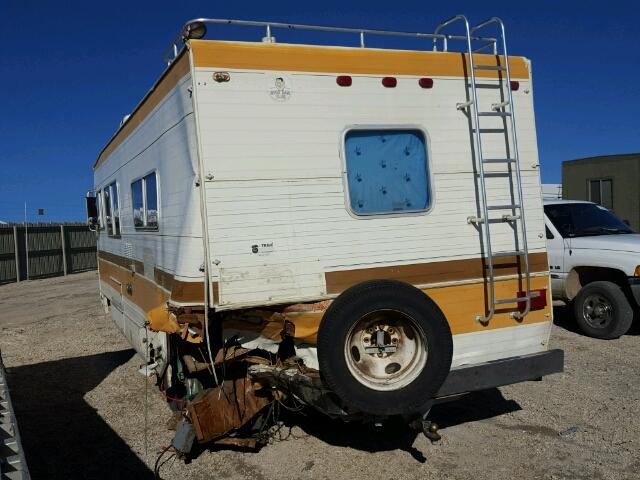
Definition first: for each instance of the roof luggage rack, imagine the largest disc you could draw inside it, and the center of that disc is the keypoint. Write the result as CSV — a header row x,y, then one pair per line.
x,y
197,28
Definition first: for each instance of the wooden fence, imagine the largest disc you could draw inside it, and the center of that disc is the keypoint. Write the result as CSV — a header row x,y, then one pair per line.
x,y
45,250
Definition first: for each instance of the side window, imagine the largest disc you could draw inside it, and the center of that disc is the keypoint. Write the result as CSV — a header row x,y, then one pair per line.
x,y
387,171
151,198
99,208
107,210
138,203
144,195
111,209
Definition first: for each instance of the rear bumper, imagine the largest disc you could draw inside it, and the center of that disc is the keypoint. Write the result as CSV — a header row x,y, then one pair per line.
x,y
502,372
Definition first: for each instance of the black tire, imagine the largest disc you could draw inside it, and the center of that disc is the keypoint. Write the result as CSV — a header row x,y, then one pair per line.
x,y
398,298
617,315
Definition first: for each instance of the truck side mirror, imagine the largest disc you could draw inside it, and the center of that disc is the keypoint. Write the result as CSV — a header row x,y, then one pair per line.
x,y
92,211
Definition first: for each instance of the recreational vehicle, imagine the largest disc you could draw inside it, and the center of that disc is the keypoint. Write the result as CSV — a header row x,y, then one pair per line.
x,y
355,229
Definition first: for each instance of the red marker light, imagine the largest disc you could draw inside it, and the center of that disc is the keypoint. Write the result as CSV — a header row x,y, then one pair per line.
x,y
515,85
344,80
389,82
426,82
538,299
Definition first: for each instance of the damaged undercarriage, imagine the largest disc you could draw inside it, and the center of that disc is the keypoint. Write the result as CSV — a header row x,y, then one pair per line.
x,y
263,360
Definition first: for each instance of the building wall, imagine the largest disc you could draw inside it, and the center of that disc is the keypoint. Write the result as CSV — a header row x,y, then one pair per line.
x,y
624,172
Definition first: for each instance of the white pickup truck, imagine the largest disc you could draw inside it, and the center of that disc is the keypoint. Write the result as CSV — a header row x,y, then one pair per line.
x,y
594,259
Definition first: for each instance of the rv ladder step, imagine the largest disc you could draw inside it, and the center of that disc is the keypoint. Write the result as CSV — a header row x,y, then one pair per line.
x,y
503,207
494,174
490,67
512,300
514,253
489,130
498,106
494,114
499,160
510,218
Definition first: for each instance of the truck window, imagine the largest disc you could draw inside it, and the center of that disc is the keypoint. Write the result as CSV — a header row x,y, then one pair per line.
x,y
549,234
144,199
387,171
584,219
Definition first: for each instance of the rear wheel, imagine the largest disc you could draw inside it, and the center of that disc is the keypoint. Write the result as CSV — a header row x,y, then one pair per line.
x,y
602,310
385,348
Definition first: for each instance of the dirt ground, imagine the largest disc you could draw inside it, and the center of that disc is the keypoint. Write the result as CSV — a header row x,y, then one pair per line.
x,y
80,404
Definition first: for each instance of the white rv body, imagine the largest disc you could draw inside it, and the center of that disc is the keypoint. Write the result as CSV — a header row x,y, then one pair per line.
x,y
246,142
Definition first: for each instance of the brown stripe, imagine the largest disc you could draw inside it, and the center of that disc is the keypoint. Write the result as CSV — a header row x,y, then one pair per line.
x,y
164,279
306,58
169,79
125,262
181,292
434,272
215,286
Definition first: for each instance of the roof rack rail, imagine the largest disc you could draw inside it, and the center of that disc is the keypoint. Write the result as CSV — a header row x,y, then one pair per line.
x,y
196,28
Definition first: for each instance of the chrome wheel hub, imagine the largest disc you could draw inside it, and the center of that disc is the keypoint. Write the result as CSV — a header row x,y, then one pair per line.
x,y
386,350
597,311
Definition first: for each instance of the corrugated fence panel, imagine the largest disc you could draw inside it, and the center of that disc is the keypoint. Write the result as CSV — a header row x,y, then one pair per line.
x,y
81,248
45,257
45,252
7,256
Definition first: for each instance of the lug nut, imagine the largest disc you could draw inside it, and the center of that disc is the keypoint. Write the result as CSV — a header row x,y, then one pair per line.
x,y
390,331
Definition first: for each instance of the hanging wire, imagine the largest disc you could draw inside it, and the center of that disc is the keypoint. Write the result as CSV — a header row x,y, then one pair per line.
x,y
146,392
158,465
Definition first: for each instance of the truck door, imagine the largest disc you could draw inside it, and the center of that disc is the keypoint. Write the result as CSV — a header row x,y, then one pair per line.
x,y
555,251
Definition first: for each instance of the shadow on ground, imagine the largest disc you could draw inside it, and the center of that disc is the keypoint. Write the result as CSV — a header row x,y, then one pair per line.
x,y
395,434
62,435
563,318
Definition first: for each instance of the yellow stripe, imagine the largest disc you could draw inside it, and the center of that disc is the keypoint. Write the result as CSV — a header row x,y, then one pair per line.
x,y
365,61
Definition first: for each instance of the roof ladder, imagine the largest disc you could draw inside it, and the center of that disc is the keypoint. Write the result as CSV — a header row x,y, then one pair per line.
x,y
501,109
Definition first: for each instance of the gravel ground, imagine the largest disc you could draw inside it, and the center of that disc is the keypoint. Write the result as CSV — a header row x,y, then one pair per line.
x,y
81,409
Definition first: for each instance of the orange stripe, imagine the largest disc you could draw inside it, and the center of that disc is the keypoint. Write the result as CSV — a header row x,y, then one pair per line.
x,y
461,303
305,58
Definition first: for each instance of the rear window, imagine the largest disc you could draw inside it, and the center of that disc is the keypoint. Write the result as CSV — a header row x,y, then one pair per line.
x,y
387,171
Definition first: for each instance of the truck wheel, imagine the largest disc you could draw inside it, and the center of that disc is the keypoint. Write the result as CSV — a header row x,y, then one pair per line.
x,y
602,310
384,347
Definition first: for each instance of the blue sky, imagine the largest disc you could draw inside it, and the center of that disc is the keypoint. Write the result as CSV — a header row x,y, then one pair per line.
x,y
70,70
